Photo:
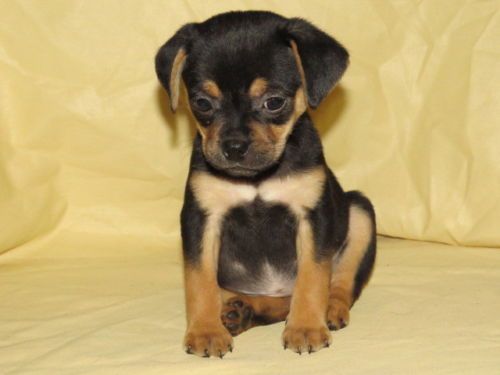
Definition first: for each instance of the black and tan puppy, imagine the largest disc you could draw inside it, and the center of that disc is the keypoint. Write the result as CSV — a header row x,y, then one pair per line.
x,y
268,233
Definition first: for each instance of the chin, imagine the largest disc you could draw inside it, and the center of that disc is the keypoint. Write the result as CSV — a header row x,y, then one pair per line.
x,y
242,171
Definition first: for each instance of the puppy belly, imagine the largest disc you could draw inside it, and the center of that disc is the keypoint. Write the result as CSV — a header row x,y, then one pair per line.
x,y
269,282
258,253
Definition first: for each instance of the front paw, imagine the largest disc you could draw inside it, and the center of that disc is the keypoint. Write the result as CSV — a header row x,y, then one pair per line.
x,y
303,338
208,341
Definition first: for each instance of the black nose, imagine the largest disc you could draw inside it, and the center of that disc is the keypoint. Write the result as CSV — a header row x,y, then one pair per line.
x,y
234,149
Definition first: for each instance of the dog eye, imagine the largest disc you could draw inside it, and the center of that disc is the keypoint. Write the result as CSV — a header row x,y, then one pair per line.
x,y
202,105
274,103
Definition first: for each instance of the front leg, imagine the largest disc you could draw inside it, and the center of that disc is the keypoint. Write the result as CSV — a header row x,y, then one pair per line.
x,y
205,334
306,328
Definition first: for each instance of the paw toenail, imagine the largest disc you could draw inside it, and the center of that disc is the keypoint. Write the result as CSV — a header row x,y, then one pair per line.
x,y
332,327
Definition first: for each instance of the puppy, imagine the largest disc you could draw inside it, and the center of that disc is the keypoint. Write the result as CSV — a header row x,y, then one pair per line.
x,y
268,233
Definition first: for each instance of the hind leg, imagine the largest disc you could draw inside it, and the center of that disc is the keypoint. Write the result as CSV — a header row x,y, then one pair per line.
x,y
242,312
353,265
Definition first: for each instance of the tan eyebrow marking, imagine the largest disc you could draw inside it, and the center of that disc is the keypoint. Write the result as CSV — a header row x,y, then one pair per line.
x,y
258,87
211,88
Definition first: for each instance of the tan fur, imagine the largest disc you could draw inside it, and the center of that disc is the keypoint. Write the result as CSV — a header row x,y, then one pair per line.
x,y
280,133
268,139
346,265
216,195
272,138
298,61
299,191
261,137
201,306
306,328
209,137
211,88
205,335
258,87
175,77
300,67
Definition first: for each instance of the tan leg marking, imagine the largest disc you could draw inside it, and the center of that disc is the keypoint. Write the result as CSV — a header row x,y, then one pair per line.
x,y
306,328
345,267
258,87
205,335
211,88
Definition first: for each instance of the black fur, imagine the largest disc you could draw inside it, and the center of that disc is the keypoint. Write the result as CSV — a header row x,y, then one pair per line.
x,y
243,39
324,60
166,55
233,49
192,227
252,235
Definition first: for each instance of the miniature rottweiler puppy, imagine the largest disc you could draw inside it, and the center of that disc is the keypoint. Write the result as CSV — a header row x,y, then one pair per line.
x,y
268,233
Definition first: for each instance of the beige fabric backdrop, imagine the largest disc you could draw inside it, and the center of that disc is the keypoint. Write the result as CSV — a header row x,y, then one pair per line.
x,y
88,146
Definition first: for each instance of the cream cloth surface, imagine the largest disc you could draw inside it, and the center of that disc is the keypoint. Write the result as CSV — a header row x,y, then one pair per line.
x,y
119,309
93,166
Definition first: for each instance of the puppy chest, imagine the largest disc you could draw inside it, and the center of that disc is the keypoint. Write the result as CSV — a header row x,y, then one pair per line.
x,y
257,249
217,196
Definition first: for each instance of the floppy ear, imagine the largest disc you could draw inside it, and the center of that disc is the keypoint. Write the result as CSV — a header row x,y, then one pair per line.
x,y
170,61
320,58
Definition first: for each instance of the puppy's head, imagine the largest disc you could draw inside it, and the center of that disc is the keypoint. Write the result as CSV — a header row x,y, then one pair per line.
x,y
249,77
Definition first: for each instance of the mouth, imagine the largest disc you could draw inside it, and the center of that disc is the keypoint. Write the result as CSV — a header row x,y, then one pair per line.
x,y
238,170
